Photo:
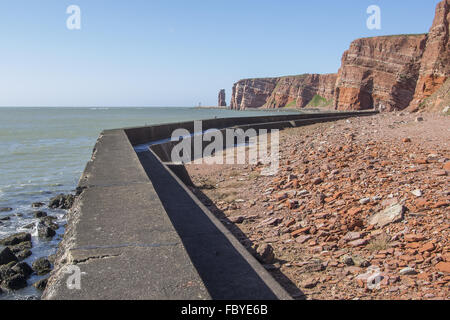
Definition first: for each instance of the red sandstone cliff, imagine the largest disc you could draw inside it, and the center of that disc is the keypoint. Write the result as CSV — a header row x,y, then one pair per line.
x,y
435,64
387,73
290,91
379,72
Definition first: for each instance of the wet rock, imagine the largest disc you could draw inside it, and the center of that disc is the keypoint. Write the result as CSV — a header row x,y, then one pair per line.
x,y
7,256
21,246
6,271
41,284
62,202
15,239
23,269
265,254
390,215
22,255
5,218
40,214
37,205
6,209
49,222
16,282
45,232
42,266
29,226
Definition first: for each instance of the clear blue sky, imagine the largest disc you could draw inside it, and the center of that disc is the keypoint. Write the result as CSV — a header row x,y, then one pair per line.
x,y
177,52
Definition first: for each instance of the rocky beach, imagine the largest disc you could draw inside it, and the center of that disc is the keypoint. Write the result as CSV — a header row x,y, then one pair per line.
x,y
16,250
358,209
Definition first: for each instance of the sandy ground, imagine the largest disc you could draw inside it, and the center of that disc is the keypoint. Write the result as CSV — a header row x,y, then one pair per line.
x,y
357,210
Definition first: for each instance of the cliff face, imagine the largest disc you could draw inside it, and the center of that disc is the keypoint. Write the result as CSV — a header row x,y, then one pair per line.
x,y
222,99
252,93
387,73
435,64
379,72
291,91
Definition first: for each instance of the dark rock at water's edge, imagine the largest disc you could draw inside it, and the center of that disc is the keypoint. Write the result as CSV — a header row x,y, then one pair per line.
x,y
21,246
40,214
45,232
37,204
16,282
7,256
6,209
6,271
13,276
62,202
15,239
48,221
41,284
22,255
7,218
23,269
42,266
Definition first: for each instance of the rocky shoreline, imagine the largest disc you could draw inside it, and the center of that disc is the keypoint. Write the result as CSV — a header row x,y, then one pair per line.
x,y
14,249
358,209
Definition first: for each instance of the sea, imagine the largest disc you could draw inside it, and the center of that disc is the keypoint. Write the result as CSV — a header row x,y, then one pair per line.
x,y
43,152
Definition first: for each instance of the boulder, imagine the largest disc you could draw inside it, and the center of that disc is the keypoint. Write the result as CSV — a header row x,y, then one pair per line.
x,y
62,202
22,255
21,246
265,254
42,266
45,232
37,205
389,215
23,269
6,271
40,214
15,239
6,209
16,282
6,256
49,222
41,284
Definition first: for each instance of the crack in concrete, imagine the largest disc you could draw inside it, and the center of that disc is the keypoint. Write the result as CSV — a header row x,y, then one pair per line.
x,y
106,256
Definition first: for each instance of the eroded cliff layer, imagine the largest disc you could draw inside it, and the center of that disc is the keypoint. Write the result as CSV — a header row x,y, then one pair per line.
x,y
435,63
387,73
291,91
379,72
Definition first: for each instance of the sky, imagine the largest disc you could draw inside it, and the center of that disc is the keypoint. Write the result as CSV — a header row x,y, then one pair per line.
x,y
178,52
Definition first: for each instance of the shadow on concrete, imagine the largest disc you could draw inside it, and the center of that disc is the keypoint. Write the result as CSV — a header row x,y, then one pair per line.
x,y
227,275
278,275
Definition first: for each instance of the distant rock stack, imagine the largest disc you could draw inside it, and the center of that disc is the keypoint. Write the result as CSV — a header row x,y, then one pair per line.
x,y
222,101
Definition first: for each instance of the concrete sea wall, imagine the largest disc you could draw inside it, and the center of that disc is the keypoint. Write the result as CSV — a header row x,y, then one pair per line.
x,y
137,232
